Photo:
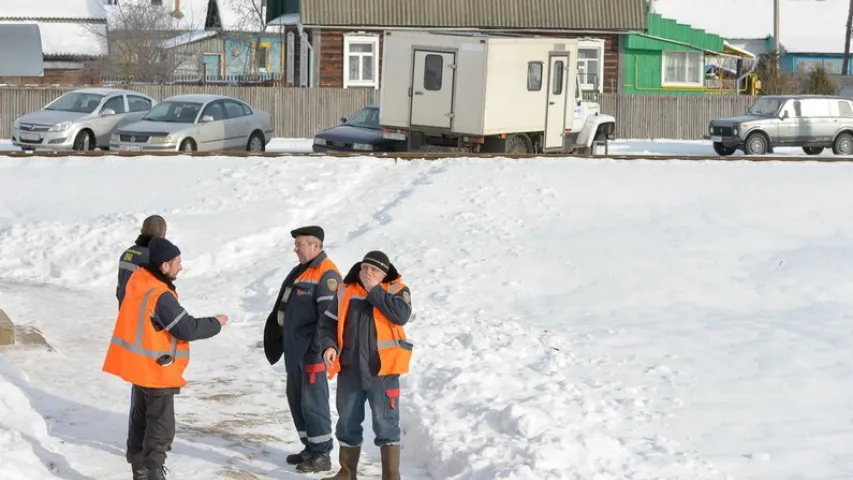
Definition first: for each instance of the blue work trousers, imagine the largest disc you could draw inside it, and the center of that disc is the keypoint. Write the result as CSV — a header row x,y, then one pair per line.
x,y
384,399
308,397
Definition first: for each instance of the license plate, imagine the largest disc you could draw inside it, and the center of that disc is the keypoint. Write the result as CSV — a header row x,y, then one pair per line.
x,y
30,136
394,135
716,139
130,148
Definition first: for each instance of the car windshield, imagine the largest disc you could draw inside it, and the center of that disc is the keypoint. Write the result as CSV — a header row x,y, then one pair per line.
x,y
173,111
765,106
366,118
76,102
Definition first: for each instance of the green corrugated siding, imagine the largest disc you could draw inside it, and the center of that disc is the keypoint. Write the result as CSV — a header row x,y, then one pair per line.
x,y
672,30
643,55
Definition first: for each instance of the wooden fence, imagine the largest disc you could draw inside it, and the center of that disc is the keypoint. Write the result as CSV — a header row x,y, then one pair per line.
x,y
301,112
295,112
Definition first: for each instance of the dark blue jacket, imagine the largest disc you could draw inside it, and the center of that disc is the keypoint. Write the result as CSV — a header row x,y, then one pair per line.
x,y
291,328
129,262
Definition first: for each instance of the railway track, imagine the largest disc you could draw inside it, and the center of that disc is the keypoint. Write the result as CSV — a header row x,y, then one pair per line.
x,y
439,155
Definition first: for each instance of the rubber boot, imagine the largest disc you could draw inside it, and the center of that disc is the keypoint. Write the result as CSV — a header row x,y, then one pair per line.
x,y
139,472
348,458
390,462
157,473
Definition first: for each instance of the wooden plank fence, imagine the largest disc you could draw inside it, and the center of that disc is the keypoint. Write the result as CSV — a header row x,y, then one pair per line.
x,y
301,112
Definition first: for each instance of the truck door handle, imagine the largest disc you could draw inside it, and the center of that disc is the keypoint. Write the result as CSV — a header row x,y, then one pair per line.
x,y
552,103
419,93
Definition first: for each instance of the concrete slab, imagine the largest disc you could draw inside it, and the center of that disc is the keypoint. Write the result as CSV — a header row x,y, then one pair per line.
x,y
24,335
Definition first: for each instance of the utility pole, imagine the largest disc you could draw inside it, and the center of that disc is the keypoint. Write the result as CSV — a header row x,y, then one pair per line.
x,y
776,33
845,64
652,6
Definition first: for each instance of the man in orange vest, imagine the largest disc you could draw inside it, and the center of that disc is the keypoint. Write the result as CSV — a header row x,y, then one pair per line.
x,y
150,349
291,330
362,337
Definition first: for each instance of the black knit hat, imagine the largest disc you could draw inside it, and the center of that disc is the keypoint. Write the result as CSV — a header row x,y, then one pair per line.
x,y
378,260
161,251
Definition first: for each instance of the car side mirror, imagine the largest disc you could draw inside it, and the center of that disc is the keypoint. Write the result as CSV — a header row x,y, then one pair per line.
x,y
343,119
784,115
107,111
206,119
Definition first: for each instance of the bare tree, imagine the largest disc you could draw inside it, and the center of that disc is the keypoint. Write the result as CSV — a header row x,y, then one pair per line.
x,y
251,22
141,42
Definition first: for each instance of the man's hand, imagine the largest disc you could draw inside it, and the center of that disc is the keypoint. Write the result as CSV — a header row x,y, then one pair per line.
x,y
223,319
329,357
370,280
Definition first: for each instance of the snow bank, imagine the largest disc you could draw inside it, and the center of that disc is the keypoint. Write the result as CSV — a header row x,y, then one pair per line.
x,y
22,430
573,319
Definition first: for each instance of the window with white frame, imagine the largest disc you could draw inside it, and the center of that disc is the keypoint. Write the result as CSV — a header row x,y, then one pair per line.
x,y
591,65
683,68
361,61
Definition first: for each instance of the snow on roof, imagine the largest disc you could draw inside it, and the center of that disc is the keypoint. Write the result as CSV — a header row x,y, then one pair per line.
x,y
52,9
187,38
804,25
70,38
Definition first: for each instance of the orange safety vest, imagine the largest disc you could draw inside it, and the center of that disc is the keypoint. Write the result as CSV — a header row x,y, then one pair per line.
x,y
395,351
135,348
313,275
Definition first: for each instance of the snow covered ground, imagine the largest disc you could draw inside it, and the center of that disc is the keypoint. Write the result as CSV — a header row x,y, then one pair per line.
x,y
688,148
573,319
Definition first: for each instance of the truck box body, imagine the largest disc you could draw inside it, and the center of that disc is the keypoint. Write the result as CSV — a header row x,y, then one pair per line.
x,y
478,85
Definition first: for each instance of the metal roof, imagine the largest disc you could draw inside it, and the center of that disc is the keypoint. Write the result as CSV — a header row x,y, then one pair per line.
x,y
618,15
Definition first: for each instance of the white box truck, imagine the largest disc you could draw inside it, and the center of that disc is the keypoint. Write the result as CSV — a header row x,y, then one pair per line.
x,y
487,93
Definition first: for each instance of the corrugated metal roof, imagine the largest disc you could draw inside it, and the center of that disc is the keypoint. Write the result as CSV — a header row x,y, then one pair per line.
x,y
503,14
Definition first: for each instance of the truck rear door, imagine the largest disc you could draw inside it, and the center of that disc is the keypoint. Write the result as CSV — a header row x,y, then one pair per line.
x,y
433,77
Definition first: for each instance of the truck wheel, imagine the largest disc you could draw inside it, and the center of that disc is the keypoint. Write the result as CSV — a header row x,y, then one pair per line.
x,y
813,150
755,144
518,143
723,150
843,145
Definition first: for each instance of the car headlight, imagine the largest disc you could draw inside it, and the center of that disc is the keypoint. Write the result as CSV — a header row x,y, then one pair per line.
x,y
60,127
710,129
362,146
16,123
319,141
734,131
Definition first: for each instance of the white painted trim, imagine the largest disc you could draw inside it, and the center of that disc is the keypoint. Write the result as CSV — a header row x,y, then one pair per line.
x,y
701,82
597,44
361,38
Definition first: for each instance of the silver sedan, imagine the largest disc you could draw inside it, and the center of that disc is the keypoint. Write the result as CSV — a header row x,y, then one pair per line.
x,y
81,119
198,122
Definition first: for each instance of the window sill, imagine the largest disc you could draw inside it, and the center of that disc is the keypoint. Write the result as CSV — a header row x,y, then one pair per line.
x,y
683,85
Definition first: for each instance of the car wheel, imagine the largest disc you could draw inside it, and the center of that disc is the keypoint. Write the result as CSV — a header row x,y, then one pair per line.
x,y
723,150
813,150
84,142
188,145
256,143
756,144
843,145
